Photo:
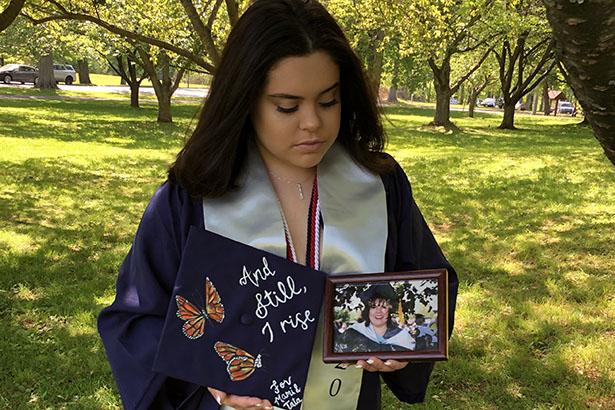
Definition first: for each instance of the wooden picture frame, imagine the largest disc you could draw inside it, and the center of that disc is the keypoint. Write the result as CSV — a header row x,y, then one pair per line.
x,y
416,324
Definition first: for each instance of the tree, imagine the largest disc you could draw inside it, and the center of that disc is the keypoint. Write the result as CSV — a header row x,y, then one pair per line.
x,y
372,27
526,55
477,85
586,49
46,79
165,84
442,29
190,29
167,30
10,13
127,66
83,69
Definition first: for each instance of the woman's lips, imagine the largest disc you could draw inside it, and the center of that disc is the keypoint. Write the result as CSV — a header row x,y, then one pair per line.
x,y
309,146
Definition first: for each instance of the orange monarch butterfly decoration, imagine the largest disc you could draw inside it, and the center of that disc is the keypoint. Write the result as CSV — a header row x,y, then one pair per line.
x,y
195,317
239,364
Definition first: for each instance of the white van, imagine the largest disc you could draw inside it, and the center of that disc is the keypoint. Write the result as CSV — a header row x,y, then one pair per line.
x,y
64,73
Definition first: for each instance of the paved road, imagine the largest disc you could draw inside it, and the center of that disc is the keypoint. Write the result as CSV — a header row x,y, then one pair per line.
x,y
181,92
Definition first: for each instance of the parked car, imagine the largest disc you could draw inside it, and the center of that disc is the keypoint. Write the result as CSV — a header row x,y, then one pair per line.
x,y
454,100
18,72
565,107
64,73
488,102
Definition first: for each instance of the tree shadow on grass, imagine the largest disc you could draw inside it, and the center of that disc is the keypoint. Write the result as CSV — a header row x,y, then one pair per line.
x,y
482,136
532,244
97,121
65,230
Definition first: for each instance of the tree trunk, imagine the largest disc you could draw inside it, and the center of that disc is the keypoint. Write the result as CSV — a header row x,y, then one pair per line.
x,y
585,46
45,73
164,93
135,82
162,87
164,105
394,83
134,94
472,102
375,60
442,117
442,85
508,122
84,72
546,102
535,101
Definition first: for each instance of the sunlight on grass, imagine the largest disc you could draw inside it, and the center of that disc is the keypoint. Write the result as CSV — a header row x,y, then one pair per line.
x,y
23,292
16,242
82,323
526,217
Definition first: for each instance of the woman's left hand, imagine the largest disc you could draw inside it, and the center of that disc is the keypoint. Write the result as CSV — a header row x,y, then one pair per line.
x,y
373,364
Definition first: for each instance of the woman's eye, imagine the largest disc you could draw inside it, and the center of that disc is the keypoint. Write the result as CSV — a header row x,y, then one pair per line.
x,y
287,110
329,103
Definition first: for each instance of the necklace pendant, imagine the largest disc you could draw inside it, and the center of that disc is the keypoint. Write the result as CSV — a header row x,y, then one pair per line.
x,y
300,189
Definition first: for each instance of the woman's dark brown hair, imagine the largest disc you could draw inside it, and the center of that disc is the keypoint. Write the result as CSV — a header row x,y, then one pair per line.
x,y
367,307
270,30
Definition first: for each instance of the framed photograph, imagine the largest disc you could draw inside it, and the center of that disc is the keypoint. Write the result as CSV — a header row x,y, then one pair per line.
x,y
401,316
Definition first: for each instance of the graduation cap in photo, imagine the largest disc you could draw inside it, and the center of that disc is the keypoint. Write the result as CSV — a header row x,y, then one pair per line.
x,y
379,291
241,320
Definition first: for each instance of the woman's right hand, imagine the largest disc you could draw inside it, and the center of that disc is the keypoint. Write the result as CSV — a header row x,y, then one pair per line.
x,y
240,402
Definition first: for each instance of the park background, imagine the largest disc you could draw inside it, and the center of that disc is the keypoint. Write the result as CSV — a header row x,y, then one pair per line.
x,y
524,210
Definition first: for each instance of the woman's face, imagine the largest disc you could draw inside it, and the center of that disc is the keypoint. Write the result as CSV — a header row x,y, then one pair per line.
x,y
297,116
379,312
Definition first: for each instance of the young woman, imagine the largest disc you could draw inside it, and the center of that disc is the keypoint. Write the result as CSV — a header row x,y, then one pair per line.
x,y
289,142
376,332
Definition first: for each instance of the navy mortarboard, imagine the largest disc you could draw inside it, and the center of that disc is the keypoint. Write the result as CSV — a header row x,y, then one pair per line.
x,y
241,320
379,291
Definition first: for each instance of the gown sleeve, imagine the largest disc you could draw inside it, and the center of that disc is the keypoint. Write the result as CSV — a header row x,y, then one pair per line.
x,y
412,246
131,327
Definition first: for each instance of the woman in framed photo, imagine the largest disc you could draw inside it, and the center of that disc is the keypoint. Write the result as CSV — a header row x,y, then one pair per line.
x,y
376,331
287,157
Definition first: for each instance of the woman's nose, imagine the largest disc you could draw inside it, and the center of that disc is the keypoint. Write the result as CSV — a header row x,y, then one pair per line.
x,y
310,120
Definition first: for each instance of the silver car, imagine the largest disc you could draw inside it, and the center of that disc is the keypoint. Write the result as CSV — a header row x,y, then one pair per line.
x,y
565,107
64,73
18,72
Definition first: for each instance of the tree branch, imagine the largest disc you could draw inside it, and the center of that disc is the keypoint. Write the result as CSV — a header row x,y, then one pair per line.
x,y
548,54
538,80
455,87
232,9
66,15
10,13
203,31
212,16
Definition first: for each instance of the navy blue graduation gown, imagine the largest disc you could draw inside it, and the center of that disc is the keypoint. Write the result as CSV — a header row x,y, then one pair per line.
x,y
131,327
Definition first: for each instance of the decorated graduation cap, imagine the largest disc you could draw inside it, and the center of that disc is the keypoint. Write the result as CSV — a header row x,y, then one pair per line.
x,y
379,291
241,320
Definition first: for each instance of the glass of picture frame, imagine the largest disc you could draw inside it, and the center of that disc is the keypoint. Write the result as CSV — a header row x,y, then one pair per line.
x,y
400,316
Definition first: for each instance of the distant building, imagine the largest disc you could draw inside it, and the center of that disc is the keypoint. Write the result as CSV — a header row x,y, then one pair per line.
x,y
554,97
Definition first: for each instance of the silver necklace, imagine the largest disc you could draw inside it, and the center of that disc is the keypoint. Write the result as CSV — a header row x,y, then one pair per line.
x,y
298,185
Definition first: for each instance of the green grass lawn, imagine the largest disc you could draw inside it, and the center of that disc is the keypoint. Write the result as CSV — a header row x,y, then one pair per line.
x,y
526,217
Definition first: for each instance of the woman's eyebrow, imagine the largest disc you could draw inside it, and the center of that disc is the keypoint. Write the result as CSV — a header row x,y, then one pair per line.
x,y
296,97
